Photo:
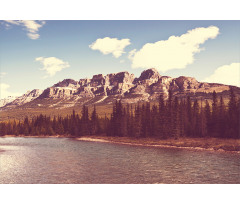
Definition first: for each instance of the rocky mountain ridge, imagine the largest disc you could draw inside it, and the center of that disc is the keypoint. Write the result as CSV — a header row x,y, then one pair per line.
x,y
106,89
7,100
25,98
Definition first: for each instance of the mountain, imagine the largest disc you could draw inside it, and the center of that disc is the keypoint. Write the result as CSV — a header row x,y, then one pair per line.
x,y
102,89
7,100
25,98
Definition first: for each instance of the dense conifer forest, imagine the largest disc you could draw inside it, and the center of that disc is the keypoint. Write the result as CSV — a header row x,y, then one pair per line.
x,y
174,118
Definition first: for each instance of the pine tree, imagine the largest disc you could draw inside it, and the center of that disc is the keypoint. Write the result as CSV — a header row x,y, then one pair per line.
x,y
183,118
189,126
143,121
203,121
129,121
3,129
26,126
162,119
147,120
15,128
131,124
196,120
124,123
154,122
207,111
215,116
176,120
85,121
94,121
169,115
222,119
137,122
233,116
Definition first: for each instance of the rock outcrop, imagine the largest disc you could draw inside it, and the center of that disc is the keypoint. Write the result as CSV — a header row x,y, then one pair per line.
x,y
58,92
148,77
67,83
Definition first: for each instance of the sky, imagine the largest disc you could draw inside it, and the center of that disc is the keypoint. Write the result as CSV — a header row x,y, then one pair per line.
x,y
38,54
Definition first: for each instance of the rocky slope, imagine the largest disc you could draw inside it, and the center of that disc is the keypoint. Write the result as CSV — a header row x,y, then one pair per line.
x,y
25,98
7,100
102,89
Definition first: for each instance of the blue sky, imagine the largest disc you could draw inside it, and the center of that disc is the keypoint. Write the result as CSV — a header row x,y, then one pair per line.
x,y
38,54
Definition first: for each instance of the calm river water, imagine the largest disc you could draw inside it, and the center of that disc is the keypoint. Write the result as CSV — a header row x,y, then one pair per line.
x,y
62,160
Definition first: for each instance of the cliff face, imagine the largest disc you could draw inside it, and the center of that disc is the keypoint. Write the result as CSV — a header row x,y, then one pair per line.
x,y
105,89
99,85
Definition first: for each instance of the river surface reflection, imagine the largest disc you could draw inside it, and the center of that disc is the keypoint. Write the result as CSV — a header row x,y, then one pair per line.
x,y
62,160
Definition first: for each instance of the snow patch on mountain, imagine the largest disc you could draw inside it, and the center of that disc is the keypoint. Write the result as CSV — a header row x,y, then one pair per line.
x,y
25,98
7,100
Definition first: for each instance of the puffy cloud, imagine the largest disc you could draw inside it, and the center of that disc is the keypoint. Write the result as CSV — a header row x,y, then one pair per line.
x,y
226,74
131,54
32,27
2,74
175,53
4,91
110,46
52,65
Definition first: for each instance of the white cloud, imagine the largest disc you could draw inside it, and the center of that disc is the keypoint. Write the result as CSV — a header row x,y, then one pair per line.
x,y
110,46
33,36
226,74
32,27
2,74
4,91
175,53
131,54
52,65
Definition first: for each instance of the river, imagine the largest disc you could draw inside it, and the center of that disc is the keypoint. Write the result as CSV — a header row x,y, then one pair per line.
x,y
63,160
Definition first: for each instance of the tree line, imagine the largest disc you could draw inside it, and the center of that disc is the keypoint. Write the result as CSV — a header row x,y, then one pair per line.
x,y
173,118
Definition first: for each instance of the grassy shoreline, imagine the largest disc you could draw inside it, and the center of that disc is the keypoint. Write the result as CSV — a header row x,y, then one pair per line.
x,y
211,144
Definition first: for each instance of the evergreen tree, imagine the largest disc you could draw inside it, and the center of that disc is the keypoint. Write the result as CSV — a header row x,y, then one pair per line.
x,y
85,127
154,122
3,129
203,122
162,119
124,123
146,120
189,127
182,117
26,126
215,116
169,115
176,120
222,119
233,116
207,112
131,124
143,121
137,122
94,122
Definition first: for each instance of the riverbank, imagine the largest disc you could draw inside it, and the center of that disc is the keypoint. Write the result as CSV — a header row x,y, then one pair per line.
x,y
210,144
38,136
